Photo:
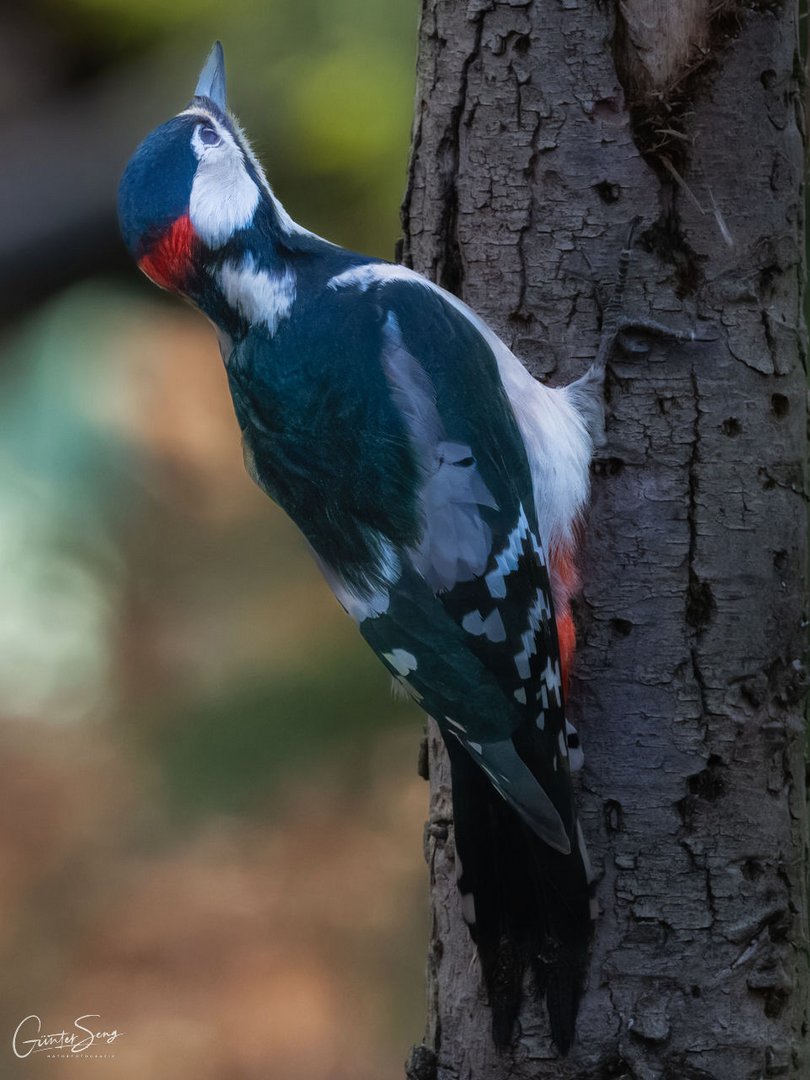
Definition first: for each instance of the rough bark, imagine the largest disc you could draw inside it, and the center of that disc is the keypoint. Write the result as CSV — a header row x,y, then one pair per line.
x,y
542,128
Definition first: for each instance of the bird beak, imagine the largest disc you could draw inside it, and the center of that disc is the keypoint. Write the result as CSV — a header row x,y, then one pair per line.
x,y
211,83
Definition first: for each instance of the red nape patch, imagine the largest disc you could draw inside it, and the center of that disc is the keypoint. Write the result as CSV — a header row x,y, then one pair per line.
x,y
168,262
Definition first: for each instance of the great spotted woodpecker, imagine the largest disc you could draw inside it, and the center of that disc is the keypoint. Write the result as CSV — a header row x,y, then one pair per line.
x,y
439,486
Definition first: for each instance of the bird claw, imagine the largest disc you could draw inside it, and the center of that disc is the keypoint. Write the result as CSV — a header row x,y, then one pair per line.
x,y
628,328
623,329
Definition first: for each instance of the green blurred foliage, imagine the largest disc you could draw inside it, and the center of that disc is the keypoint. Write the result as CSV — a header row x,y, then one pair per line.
x,y
228,753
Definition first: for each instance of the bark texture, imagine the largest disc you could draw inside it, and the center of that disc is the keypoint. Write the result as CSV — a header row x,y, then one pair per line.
x,y
542,128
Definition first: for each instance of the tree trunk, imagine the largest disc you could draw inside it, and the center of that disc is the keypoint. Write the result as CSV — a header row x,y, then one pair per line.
x,y
542,128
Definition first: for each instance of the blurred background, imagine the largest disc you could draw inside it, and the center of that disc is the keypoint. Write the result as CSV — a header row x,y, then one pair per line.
x,y
210,818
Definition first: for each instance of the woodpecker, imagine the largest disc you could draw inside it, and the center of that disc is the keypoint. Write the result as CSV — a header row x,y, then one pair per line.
x,y
440,487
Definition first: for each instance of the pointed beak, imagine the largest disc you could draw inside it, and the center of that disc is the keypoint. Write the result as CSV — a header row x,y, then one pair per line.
x,y
211,83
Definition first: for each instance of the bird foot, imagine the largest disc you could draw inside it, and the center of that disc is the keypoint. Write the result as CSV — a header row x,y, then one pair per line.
x,y
631,333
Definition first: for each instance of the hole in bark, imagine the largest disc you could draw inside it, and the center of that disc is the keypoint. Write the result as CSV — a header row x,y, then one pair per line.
x,y
699,602
780,406
621,627
731,427
521,318
749,694
521,43
611,466
615,1069
774,1003
778,929
607,108
780,561
752,869
686,810
554,184
766,278
768,482
648,932
614,815
665,240
708,784
768,78
607,191
695,991
439,832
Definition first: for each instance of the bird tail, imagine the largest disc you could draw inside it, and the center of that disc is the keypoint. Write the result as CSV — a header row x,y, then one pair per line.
x,y
528,907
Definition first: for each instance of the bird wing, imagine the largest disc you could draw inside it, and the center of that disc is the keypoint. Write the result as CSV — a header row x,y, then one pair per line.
x,y
377,418
466,618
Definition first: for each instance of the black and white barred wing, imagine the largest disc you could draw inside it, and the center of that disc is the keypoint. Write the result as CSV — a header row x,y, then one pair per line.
x,y
469,625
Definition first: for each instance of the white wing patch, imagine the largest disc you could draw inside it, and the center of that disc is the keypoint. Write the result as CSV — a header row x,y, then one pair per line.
x,y
374,600
552,679
260,296
402,661
538,614
377,274
506,561
491,627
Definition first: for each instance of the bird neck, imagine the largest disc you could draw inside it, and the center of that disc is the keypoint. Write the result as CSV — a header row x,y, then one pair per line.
x,y
249,283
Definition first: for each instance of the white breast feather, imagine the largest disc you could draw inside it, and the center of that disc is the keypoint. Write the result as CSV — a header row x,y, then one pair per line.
x,y
259,295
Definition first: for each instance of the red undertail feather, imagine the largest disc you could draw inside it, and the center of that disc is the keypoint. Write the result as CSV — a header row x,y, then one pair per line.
x,y
565,582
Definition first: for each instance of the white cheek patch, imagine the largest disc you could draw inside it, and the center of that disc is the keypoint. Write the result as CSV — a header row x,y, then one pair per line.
x,y
223,196
259,295
239,148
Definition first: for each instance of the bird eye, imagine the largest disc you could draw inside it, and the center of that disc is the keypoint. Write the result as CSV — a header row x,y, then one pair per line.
x,y
209,136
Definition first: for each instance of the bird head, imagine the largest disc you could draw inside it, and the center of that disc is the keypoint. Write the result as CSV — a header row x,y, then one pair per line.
x,y
191,187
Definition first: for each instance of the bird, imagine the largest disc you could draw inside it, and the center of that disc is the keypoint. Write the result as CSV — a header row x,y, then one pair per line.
x,y
441,489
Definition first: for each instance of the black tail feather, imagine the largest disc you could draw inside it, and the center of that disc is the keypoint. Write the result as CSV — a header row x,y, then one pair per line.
x,y
528,906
